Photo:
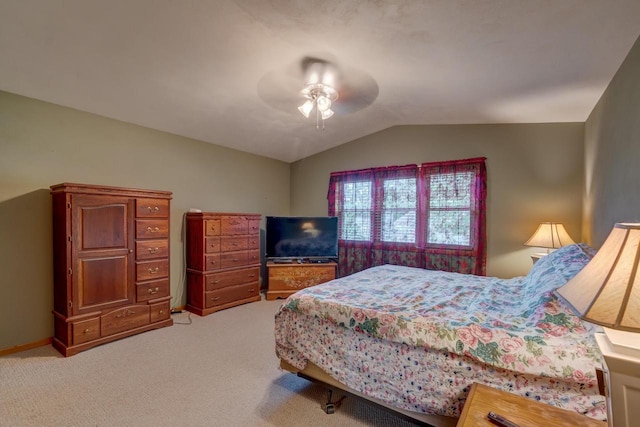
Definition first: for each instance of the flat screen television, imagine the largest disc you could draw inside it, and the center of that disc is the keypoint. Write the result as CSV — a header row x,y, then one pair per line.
x,y
313,238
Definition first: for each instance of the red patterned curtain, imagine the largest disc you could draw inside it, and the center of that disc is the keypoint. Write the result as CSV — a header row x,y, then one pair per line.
x,y
453,232
432,216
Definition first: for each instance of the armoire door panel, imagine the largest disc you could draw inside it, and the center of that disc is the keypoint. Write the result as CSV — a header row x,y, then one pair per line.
x,y
104,226
102,282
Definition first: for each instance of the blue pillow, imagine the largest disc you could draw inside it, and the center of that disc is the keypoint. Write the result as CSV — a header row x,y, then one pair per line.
x,y
555,269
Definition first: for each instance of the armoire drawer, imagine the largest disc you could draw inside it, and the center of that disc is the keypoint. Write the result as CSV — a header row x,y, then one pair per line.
x,y
152,208
149,249
85,330
149,270
124,319
160,311
152,290
152,228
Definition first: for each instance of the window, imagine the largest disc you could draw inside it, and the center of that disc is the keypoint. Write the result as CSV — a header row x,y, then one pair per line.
x,y
437,208
449,209
355,218
398,213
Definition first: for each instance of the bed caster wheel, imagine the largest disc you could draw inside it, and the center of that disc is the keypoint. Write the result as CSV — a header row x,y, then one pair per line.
x,y
330,407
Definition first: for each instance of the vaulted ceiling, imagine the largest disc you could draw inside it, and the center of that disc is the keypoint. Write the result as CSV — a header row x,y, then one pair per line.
x,y
228,71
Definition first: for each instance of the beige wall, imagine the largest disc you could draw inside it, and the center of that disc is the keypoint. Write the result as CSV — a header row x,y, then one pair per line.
x,y
535,174
43,144
612,154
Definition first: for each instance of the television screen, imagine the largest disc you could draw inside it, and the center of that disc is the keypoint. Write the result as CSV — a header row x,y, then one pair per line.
x,y
302,237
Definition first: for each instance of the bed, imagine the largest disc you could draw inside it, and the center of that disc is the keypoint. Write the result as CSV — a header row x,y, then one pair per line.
x,y
415,340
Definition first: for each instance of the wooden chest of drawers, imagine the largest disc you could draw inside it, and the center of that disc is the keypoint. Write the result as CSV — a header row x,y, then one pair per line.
x,y
111,264
223,260
286,279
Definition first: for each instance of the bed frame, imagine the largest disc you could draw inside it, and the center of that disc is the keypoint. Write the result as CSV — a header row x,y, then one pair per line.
x,y
315,374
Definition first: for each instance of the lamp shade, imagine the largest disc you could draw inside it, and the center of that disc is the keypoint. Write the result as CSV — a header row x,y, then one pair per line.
x,y
551,235
607,290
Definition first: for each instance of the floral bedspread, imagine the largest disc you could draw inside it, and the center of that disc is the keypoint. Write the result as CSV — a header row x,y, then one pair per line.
x,y
418,338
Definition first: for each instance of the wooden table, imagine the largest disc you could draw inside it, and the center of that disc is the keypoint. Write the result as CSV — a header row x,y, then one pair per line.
x,y
519,410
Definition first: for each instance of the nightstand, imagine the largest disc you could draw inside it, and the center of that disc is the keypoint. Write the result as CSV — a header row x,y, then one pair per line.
x,y
535,257
520,410
622,375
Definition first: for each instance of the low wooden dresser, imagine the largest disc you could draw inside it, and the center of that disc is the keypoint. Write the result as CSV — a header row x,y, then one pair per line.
x,y
223,260
110,264
285,279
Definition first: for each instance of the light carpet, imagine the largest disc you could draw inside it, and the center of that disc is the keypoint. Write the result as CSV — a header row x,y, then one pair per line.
x,y
218,370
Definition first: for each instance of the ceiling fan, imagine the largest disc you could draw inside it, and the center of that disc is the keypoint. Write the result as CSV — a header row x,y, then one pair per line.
x,y
321,83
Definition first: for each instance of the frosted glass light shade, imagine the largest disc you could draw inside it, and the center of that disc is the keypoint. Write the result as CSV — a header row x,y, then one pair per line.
x,y
551,235
323,103
326,114
607,290
306,108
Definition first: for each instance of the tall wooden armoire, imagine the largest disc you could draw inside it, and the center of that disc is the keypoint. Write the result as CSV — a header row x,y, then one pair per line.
x,y
111,264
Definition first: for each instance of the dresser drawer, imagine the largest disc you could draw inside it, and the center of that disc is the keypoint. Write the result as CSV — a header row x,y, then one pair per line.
x,y
85,330
124,319
212,262
152,290
254,242
149,249
229,244
152,208
149,270
234,259
254,227
231,294
159,311
253,257
234,225
232,278
239,259
211,244
212,227
152,228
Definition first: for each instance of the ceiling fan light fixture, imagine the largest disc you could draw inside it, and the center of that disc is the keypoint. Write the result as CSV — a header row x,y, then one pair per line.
x,y
323,103
320,96
306,108
326,114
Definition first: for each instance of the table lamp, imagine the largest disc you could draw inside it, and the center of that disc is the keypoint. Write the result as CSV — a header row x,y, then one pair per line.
x,y
607,292
549,235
